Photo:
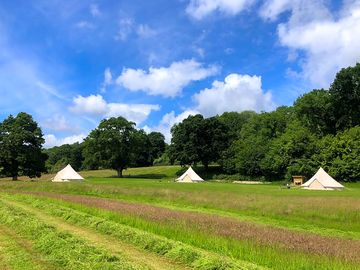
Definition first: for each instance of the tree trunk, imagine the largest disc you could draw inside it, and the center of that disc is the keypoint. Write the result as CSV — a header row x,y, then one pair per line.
x,y
119,172
15,177
206,165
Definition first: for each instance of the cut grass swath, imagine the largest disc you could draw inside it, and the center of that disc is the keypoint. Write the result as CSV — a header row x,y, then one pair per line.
x,y
193,257
14,254
60,249
280,259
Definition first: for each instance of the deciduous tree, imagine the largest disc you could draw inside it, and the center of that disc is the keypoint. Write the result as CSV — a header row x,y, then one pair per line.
x,y
21,142
111,144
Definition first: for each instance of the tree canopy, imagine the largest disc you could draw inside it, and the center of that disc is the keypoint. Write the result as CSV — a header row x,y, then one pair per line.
x,y
345,97
117,144
320,129
60,156
21,142
198,140
111,144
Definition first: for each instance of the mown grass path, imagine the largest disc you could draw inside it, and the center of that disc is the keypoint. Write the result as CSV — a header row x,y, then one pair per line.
x,y
135,255
17,252
104,222
190,256
226,227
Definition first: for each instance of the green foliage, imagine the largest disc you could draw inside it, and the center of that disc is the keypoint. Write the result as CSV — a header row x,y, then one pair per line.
x,y
234,121
284,142
185,141
148,147
255,137
340,155
315,111
141,148
117,144
60,156
345,97
164,158
111,145
157,144
289,153
198,140
21,141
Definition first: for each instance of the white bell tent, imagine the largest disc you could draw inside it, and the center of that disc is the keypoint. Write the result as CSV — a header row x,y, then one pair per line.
x,y
67,174
322,181
190,176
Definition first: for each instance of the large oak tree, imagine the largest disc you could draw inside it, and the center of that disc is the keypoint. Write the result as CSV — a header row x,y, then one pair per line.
x,y
111,144
21,142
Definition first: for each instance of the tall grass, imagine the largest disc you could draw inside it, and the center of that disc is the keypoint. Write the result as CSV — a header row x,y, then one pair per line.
x,y
273,257
61,249
323,212
193,257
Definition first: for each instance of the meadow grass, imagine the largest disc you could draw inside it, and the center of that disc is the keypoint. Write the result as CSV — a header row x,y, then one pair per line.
x,y
193,257
270,256
326,213
59,248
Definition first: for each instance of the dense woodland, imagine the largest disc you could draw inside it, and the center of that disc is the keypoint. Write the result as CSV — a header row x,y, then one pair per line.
x,y
322,128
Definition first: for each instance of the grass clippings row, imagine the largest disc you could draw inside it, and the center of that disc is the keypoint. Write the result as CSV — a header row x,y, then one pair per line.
x,y
17,253
60,249
344,249
188,255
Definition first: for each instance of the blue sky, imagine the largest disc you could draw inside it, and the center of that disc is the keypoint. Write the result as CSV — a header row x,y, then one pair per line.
x,y
72,63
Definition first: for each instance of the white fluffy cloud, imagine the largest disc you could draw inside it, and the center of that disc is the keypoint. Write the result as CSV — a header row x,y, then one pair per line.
x,y
134,112
328,43
57,123
51,140
165,81
302,11
95,105
168,120
91,105
201,8
236,93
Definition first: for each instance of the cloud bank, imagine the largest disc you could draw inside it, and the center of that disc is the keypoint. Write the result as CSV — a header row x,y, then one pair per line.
x,y
236,93
95,105
165,81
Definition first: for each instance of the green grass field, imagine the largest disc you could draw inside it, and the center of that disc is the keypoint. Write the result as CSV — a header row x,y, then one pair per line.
x,y
147,221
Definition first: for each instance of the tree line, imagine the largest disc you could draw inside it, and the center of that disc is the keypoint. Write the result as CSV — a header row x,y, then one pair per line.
x,y
114,144
320,129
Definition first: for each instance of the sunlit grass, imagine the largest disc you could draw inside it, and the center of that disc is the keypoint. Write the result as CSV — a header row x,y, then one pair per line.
x,y
326,213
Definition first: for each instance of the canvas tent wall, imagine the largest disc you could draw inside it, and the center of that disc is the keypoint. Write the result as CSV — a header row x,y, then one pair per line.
x,y
190,176
67,174
322,181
